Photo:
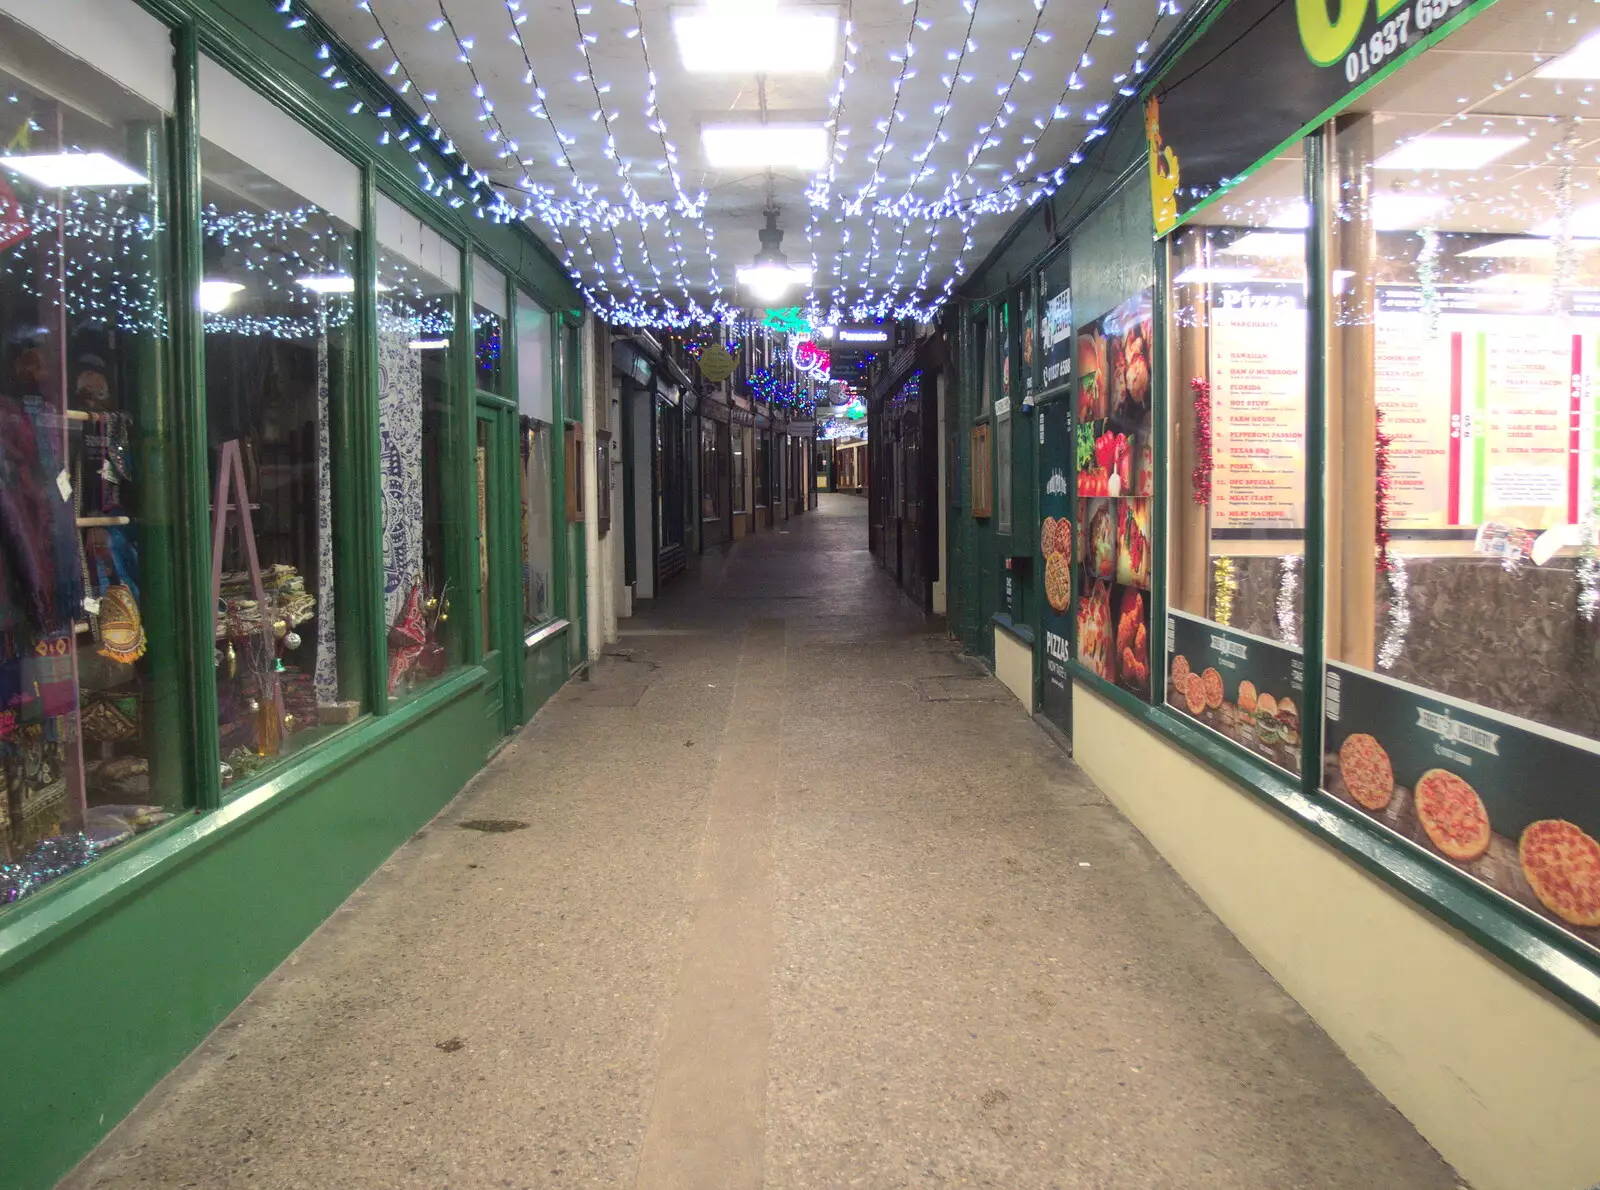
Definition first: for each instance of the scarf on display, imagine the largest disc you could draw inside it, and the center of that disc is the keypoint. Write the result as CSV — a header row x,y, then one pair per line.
x,y
407,638
107,458
38,530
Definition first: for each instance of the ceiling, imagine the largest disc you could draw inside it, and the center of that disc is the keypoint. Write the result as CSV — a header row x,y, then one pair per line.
x,y
589,124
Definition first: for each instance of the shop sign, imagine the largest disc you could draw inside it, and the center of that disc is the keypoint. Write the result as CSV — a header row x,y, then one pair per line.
x,y
862,336
1509,802
1057,508
1055,337
1243,687
717,363
1260,74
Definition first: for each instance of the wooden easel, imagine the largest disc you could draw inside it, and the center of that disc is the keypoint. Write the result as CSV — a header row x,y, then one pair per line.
x,y
230,479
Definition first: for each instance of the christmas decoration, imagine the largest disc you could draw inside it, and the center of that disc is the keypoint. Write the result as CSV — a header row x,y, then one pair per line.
x,y
1381,496
1394,637
1288,588
1428,280
1224,585
1200,478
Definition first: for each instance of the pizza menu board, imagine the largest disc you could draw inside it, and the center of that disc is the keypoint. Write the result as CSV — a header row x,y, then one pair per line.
x,y
1057,507
1485,407
1243,687
1115,479
1258,406
1507,801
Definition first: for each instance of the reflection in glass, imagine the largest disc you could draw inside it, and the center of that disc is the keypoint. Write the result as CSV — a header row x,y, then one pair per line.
x,y
88,752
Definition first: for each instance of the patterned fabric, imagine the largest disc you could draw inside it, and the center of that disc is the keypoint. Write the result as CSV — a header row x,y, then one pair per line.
x,y
326,678
400,431
37,523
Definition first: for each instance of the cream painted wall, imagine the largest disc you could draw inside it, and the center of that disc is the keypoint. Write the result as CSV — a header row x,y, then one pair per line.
x,y
1013,665
1502,1078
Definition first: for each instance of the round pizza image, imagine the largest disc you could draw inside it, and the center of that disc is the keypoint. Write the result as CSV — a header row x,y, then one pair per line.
x,y
1048,543
1058,581
1180,674
1368,775
1064,537
1247,696
1213,688
1194,694
1562,865
1452,814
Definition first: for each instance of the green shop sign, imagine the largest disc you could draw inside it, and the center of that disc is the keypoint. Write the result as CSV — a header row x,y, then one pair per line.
x,y
1265,72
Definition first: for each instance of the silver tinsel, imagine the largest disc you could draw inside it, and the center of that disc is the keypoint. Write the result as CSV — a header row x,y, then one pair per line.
x,y
1394,636
1288,588
1428,279
1566,251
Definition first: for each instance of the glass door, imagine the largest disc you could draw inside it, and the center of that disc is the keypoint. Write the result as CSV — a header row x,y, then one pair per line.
x,y
495,588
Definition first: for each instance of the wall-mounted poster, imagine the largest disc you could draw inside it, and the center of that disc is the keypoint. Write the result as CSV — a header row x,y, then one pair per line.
x,y
1057,513
1055,334
1246,688
1508,802
1115,479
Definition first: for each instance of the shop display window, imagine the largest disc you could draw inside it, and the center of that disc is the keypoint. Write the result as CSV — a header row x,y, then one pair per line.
x,y
980,471
713,469
418,292
1002,421
489,319
1237,399
1463,574
483,471
88,690
281,212
536,405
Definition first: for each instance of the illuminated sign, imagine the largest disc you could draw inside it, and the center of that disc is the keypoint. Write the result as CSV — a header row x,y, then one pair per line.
x,y
809,359
862,334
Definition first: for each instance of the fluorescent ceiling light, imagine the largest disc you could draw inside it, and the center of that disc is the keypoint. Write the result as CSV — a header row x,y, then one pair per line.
x,y
1449,152
1515,282
1215,275
1517,248
1584,224
428,344
217,296
1291,215
65,171
769,282
824,332
1276,244
1403,212
1582,61
333,283
756,38
755,146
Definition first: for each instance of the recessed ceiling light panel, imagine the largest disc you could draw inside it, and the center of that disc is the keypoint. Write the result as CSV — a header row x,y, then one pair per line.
x,y
756,38
1449,152
760,146
63,171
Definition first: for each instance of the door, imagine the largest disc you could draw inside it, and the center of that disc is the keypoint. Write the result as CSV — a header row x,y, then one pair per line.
x,y
496,591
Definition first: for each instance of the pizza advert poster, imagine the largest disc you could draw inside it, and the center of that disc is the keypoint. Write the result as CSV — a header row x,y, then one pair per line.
x,y
1243,687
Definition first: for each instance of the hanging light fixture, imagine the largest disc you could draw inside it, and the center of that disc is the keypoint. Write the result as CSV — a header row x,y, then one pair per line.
x,y
770,277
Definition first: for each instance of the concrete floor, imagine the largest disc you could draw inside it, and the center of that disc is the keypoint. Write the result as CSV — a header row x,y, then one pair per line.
x,y
803,900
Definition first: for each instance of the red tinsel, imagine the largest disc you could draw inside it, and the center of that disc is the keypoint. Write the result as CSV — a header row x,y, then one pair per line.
x,y
1200,478
1381,520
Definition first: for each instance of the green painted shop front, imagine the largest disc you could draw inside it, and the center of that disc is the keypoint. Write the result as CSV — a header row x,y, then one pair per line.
x,y
110,974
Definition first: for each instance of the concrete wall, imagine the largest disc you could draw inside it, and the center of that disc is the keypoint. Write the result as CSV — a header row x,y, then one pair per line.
x,y
1501,1078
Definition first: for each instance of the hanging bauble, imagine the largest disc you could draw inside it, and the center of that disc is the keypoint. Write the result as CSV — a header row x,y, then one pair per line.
x,y
291,640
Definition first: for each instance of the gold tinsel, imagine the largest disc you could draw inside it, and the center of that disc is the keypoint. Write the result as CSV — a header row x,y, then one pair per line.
x,y
1224,585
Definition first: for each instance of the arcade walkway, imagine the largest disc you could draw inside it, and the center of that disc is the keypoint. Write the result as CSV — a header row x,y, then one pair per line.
x,y
787,896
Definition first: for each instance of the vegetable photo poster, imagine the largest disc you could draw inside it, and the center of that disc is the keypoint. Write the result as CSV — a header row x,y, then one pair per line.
x,y
1115,482
1244,687
1507,801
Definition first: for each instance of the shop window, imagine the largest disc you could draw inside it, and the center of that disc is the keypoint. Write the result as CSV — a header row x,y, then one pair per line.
x,y
484,473
89,747
981,487
1464,289
713,471
281,212
536,404
739,500
985,366
489,326
1237,406
1002,470
418,279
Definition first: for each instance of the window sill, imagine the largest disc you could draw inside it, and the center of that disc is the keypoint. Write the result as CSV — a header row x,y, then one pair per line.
x,y
1021,631
53,912
1505,930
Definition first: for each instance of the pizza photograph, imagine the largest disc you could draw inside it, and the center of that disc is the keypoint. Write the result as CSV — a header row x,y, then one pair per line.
x,y
1562,866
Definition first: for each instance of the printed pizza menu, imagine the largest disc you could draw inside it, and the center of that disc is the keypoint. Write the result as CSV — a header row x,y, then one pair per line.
x,y
1116,478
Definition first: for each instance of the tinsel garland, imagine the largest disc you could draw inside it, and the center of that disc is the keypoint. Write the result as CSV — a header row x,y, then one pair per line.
x,y
1566,251
1428,279
1200,478
1225,584
1288,587
1381,496
1394,637
1589,555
